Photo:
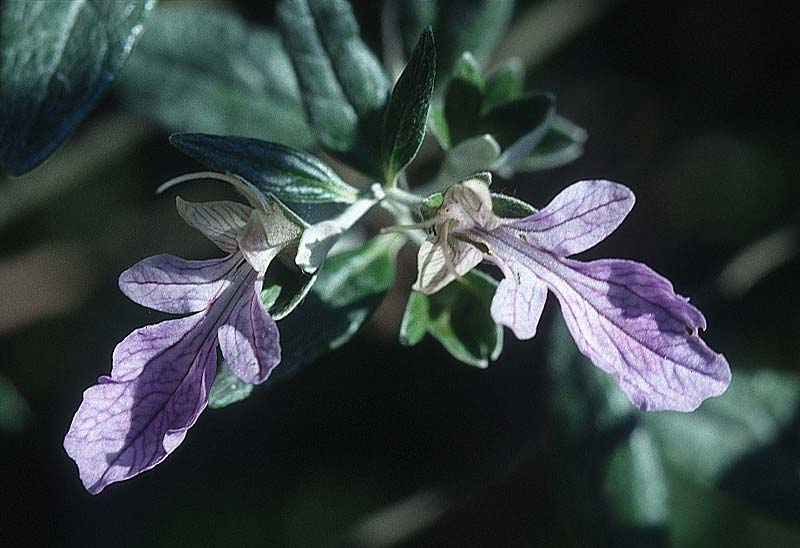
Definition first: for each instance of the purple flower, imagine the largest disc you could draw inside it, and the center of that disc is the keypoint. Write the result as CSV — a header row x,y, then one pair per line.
x,y
161,375
623,316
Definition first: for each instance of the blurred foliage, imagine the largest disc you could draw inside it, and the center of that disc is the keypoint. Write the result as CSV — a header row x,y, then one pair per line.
x,y
691,106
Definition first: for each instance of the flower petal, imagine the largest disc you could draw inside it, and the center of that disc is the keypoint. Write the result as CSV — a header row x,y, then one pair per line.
x,y
442,260
220,222
266,235
171,284
580,217
131,421
519,301
249,339
628,320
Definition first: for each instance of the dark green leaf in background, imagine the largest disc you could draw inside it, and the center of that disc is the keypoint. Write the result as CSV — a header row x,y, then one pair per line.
x,y
562,144
288,173
348,288
407,112
343,85
519,126
624,471
504,84
460,25
227,388
458,317
15,413
464,99
56,60
201,68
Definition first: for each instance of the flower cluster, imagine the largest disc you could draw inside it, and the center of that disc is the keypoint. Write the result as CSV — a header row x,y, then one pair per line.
x,y
625,317
161,374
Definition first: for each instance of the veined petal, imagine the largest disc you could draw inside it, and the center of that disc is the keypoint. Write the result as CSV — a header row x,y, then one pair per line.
x,y
170,284
131,421
249,339
220,222
518,301
266,235
441,260
628,320
580,217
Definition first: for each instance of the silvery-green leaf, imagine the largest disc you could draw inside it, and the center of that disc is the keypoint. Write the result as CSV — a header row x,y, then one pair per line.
x,y
438,125
288,173
458,317
227,388
343,85
407,111
463,99
201,68
519,126
348,289
475,26
467,158
509,207
504,84
562,144
56,60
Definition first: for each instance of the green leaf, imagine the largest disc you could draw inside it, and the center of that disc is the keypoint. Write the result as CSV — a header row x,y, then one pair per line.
x,y
458,317
509,207
562,144
288,173
519,126
201,68
463,99
227,388
438,125
15,413
349,288
467,158
742,444
56,60
475,26
505,84
407,111
343,85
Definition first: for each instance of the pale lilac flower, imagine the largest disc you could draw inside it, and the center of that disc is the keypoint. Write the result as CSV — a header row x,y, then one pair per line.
x,y
623,316
161,374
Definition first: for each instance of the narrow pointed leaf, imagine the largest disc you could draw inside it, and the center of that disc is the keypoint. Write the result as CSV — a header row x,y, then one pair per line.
x,y
201,68
407,111
56,60
288,173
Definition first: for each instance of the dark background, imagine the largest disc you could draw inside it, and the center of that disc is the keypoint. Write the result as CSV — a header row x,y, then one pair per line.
x,y
690,104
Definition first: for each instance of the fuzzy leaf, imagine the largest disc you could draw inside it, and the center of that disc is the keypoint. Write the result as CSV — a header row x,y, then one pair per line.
x,y
288,173
505,84
201,68
475,26
562,144
227,388
463,99
509,207
344,87
56,60
458,317
407,111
